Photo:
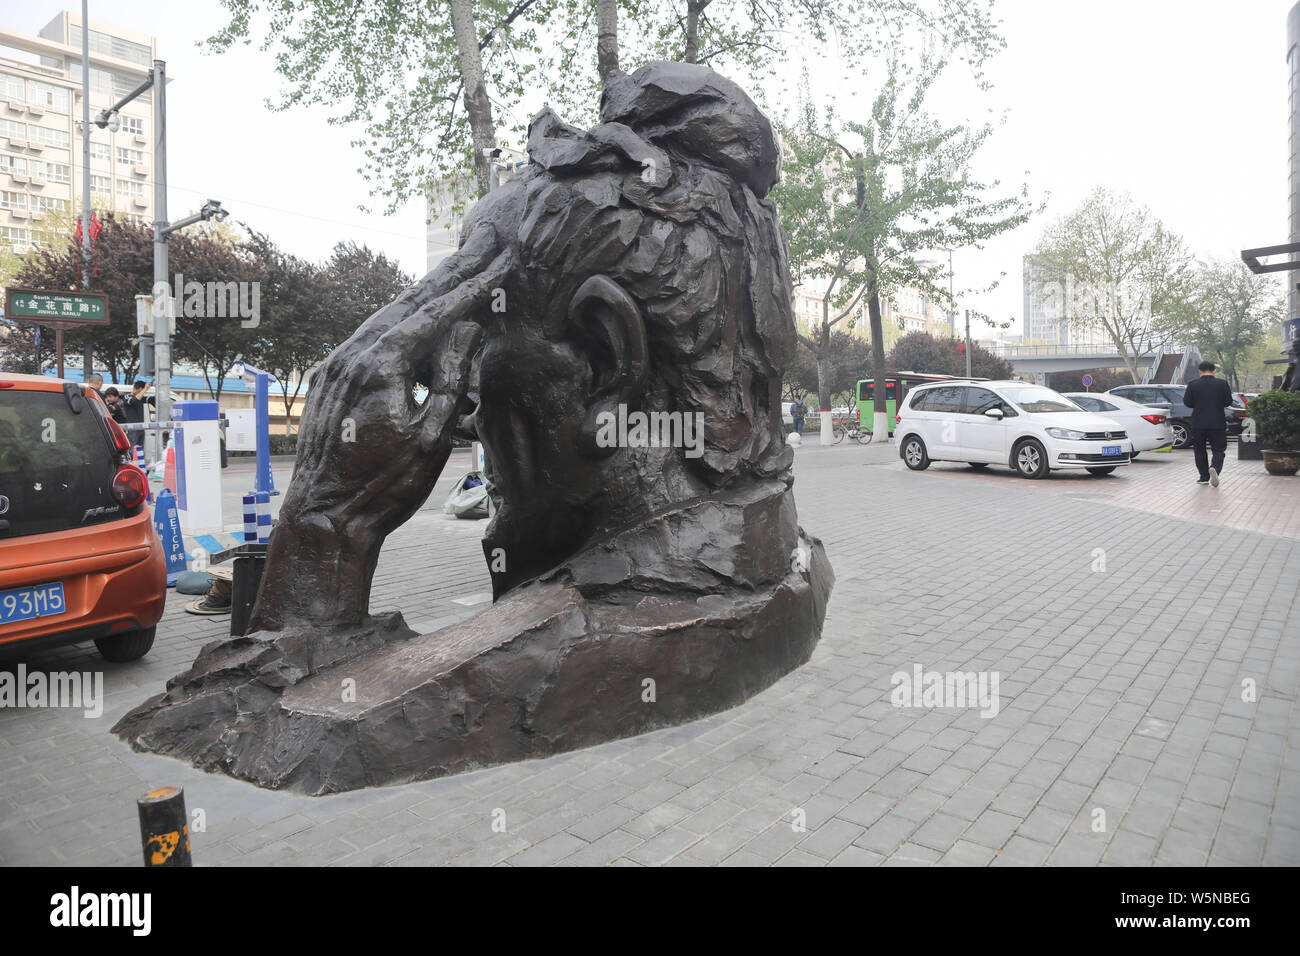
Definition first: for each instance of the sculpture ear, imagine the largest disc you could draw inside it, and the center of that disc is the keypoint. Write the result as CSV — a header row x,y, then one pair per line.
x,y
606,324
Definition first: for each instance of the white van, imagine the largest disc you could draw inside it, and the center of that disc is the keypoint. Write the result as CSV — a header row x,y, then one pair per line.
x,y
1029,428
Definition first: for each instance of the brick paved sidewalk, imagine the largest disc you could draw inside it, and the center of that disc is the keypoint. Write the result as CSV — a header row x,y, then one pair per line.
x,y
1120,691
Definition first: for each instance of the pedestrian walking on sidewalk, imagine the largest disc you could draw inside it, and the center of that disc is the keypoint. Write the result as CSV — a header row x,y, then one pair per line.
x,y
798,412
1207,397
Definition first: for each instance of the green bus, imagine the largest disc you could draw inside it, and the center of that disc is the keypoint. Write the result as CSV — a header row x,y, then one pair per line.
x,y
897,385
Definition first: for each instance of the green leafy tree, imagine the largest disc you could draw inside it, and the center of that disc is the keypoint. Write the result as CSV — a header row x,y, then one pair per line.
x,y
1114,267
427,95
861,217
1232,311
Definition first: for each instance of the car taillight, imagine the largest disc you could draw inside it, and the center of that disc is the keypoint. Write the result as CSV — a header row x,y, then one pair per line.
x,y
119,435
130,486
898,419
6,384
1240,414
1154,419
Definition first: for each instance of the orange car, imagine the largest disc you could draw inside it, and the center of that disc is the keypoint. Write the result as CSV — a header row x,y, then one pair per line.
x,y
79,557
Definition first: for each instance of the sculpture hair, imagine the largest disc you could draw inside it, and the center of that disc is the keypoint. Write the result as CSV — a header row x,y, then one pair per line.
x,y
665,198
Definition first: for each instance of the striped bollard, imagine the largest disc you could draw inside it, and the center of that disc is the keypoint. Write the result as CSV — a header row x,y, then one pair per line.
x,y
263,517
139,463
250,518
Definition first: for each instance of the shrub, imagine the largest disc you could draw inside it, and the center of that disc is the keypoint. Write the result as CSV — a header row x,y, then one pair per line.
x,y
1277,419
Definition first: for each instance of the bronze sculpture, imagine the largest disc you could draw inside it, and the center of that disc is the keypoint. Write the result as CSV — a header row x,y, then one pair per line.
x,y
625,307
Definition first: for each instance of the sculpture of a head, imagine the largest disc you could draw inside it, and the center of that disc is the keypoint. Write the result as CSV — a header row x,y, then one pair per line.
x,y
632,357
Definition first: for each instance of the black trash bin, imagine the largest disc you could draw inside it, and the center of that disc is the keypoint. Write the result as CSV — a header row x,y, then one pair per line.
x,y
247,581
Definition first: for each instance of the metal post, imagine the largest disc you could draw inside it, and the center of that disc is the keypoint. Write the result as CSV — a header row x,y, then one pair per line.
x,y
164,827
263,482
968,375
87,355
162,322
952,313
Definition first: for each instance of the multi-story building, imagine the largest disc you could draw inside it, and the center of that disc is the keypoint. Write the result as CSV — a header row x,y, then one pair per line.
x,y
1046,312
906,309
40,126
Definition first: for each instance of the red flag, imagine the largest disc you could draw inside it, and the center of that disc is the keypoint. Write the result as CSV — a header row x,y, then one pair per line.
x,y
78,232
95,227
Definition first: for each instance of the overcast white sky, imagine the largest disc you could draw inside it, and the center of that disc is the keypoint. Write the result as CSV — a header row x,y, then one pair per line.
x,y
1181,102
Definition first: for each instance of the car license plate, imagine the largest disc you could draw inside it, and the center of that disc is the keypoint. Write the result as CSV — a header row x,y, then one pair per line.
x,y
21,604
1112,450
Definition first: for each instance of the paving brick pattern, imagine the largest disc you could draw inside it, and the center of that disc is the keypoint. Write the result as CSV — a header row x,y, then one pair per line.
x,y
1122,737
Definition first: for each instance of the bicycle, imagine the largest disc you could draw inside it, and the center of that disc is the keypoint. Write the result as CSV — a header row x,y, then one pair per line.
x,y
846,426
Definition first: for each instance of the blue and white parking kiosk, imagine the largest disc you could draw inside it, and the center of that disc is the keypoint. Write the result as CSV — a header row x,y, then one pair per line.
x,y
198,465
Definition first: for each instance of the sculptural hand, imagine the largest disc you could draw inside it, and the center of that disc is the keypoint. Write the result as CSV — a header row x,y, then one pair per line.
x,y
369,450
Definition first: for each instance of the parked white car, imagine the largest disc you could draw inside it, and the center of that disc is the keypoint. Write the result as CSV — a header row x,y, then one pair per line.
x,y
1147,427
1027,427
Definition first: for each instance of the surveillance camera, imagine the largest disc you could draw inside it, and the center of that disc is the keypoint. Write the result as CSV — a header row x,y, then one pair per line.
x,y
114,122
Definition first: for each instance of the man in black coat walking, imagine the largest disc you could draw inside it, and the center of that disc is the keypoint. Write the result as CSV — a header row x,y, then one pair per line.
x,y
1207,397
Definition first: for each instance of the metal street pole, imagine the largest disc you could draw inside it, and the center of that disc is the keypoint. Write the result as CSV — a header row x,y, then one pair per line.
x,y
87,354
162,329
952,302
968,375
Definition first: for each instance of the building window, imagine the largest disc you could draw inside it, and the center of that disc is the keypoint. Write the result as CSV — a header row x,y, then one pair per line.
x,y
129,157
51,172
13,235
13,89
48,204
101,151
12,200
13,130
50,137
117,47
132,124
127,187
14,165
47,96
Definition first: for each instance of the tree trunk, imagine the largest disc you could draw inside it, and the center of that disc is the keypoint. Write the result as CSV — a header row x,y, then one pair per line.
x,y
823,354
87,362
606,39
477,106
694,8
880,419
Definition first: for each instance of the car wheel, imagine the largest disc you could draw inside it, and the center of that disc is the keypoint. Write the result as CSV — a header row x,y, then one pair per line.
x,y
914,454
978,465
1101,472
1182,434
1029,459
130,646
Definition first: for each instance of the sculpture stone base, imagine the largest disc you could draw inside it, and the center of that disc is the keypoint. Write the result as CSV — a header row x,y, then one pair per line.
x,y
563,663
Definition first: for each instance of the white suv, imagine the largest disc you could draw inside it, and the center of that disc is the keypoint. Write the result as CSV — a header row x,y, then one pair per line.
x,y
1030,428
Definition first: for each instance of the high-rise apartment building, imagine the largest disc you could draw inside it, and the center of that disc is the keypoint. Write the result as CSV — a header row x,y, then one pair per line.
x,y
40,126
1046,311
